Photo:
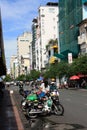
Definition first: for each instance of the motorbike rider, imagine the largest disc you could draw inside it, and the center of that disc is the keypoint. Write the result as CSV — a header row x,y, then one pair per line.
x,y
53,85
44,86
53,88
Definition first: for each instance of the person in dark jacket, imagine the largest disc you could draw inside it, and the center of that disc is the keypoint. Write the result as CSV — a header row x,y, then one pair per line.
x,y
53,85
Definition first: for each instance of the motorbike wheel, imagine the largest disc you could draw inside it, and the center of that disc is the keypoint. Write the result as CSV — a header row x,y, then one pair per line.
x,y
58,110
31,115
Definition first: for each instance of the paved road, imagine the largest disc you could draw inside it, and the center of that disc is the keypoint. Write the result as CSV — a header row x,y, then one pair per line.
x,y
75,116
75,104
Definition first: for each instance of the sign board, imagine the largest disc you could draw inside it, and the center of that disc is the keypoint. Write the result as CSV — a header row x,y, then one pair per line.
x,y
69,58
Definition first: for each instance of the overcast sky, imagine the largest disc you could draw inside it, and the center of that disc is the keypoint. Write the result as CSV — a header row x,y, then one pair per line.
x,y
17,16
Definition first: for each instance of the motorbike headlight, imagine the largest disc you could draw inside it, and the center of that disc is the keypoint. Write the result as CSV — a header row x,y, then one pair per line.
x,y
23,103
29,104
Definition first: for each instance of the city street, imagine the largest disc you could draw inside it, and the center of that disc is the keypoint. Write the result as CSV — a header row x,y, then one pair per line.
x,y
43,48
75,115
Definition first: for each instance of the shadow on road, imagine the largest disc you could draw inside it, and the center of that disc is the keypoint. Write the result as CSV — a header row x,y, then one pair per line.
x,y
43,124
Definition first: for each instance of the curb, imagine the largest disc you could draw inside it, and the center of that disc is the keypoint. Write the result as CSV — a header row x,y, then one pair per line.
x,y
16,114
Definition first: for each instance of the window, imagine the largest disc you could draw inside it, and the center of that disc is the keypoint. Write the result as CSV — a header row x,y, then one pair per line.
x,y
42,15
51,10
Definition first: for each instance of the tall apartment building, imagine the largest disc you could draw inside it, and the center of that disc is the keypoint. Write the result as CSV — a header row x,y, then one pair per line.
x,y
14,67
82,38
23,43
34,33
71,13
2,54
46,29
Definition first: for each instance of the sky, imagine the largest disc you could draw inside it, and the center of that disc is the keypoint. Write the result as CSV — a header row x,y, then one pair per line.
x,y
17,16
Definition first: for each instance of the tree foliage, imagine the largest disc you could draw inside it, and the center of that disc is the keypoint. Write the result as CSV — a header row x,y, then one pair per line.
x,y
60,69
7,78
79,65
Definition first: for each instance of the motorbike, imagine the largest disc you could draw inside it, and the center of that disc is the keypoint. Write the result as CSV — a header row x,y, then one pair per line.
x,y
48,104
25,93
57,107
21,89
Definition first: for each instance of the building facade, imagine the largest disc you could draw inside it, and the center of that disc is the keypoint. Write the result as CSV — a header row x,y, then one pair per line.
x,y
14,67
23,43
71,13
34,34
82,38
46,30
48,16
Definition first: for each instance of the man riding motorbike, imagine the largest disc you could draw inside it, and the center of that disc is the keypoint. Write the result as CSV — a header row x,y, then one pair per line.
x,y
53,85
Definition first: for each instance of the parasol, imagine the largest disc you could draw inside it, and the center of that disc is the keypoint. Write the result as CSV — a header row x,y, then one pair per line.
x,y
74,77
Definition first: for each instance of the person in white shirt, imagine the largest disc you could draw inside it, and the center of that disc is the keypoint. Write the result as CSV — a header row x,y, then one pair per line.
x,y
44,87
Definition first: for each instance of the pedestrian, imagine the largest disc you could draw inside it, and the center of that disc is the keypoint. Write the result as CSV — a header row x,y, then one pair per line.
x,y
84,83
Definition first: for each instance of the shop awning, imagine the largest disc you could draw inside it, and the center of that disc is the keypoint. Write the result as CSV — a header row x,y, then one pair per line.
x,y
65,53
60,56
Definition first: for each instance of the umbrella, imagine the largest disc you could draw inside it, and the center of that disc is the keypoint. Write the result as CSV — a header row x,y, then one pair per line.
x,y
74,77
40,78
81,75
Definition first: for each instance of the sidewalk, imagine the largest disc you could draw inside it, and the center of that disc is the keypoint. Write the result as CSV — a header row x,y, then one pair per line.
x,y
9,116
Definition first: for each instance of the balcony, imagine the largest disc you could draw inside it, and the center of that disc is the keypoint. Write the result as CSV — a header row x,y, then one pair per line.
x,y
52,59
54,46
82,39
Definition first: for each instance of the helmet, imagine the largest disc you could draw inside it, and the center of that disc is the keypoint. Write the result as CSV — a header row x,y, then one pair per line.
x,y
53,80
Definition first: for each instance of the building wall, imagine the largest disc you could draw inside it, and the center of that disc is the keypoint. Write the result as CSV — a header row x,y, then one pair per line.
x,y
82,38
23,43
34,33
48,29
70,15
25,65
14,67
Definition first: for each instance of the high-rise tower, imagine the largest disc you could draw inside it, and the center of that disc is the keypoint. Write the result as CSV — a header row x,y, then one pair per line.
x,y
71,13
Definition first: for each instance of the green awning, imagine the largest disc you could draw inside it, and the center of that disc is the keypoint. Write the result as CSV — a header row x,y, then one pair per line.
x,y
65,53
60,56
